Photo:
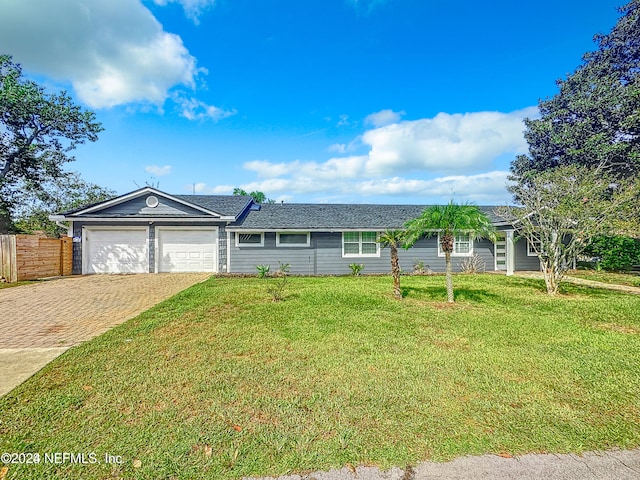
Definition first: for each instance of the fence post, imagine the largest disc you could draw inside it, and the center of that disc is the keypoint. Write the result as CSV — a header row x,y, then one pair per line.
x,y
8,262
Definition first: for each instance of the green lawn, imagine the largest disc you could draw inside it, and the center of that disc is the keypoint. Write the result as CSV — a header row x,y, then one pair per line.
x,y
220,382
14,284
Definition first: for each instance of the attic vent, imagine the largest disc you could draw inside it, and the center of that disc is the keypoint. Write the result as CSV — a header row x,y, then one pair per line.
x,y
152,201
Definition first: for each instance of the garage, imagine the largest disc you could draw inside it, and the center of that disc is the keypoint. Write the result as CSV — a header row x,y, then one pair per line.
x,y
115,250
184,249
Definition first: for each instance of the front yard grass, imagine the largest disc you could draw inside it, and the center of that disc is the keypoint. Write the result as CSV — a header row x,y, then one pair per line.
x,y
220,382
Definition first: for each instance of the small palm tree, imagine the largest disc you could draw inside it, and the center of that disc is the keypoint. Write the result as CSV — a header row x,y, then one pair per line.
x,y
449,220
393,239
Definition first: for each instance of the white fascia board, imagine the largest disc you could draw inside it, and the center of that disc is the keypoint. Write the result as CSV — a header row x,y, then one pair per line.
x,y
144,219
303,230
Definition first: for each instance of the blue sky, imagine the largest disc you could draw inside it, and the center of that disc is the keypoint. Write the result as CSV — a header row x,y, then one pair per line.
x,y
339,101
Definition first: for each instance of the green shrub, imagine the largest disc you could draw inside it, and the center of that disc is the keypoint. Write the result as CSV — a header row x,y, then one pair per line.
x,y
278,284
614,253
263,270
356,268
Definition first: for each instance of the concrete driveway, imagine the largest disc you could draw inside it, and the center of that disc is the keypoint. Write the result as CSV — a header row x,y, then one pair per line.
x,y
40,321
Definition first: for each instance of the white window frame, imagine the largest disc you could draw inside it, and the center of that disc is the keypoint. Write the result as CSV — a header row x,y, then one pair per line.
x,y
240,244
294,245
457,241
360,242
530,252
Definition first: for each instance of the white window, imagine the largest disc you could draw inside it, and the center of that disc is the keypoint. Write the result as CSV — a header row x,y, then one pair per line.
x,y
533,248
292,239
249,239
462,246
360,244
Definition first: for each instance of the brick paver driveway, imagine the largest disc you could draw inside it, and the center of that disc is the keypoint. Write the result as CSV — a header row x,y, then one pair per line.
x,y
40,321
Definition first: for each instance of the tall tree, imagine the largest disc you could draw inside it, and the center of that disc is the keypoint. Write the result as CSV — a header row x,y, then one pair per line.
x,y
258,197
564,208
37,132
448,221
594,119
393,239
32,208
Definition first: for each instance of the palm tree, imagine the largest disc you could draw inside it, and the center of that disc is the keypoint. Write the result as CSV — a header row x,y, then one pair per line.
x,y
393,239
449,221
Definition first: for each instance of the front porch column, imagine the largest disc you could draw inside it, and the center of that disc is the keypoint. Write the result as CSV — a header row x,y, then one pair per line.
x,y
510,252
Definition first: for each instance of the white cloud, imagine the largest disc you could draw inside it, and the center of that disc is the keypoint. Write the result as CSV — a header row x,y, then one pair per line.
x,y
458,156
343,120
113,52
489,184
383,117
366,6
446,143
485,188
157,170
194,109
203,188
192,8
337,148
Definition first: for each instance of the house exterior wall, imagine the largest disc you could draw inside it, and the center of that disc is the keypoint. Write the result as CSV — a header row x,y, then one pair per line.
x,y
324,256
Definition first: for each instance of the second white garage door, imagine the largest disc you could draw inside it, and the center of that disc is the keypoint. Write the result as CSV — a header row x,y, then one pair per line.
x,y
186,250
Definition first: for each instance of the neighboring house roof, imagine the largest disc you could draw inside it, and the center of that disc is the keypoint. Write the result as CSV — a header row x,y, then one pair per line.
x,y
303,216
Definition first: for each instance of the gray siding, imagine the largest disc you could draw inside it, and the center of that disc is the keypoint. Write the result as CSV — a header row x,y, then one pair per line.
x,y
77,248
324,256
523,261
244,259
137,206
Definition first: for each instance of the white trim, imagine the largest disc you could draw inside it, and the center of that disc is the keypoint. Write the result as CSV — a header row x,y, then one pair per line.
x,y
361,255
294,245
529,252
454,254
228,252
162,219
242,245
511,253
85,243
304,230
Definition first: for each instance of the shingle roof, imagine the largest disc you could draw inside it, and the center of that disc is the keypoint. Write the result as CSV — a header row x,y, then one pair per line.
x,y
334,216
228,205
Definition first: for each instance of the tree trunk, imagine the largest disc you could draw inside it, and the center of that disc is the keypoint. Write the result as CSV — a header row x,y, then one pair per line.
x,y
395,272
552,277
449,277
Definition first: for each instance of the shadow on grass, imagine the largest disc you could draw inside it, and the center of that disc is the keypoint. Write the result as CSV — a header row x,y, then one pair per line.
x,y
438,294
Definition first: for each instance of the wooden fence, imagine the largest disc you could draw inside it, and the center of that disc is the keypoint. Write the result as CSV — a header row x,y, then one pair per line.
x,y
27,257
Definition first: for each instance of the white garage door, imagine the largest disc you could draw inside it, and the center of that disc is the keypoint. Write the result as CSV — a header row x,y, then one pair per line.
x,y
116,251
187,250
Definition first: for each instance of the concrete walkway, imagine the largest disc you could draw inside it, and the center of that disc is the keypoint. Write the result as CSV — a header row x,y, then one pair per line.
x,y
611,465
585,282
40,321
